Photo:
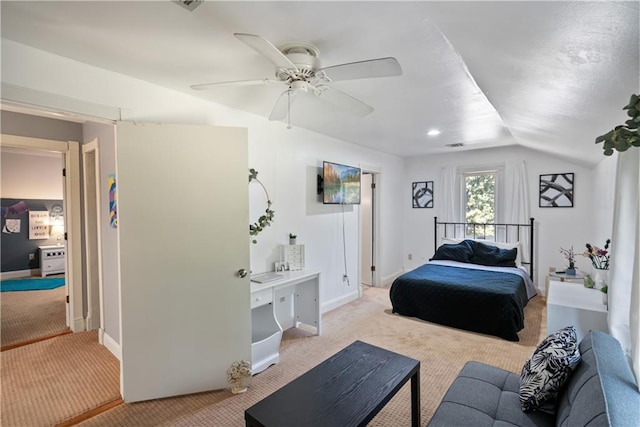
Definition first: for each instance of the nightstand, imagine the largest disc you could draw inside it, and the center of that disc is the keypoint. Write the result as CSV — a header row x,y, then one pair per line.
x,y
52,260
573,304
562,277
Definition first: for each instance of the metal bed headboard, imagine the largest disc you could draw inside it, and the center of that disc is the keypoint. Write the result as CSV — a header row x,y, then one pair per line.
x,y
498,228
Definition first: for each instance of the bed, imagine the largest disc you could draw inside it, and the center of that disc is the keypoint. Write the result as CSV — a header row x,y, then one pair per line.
x,y
472,283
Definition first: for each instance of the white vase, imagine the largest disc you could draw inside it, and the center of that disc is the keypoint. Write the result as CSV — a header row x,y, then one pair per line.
x,y
600,277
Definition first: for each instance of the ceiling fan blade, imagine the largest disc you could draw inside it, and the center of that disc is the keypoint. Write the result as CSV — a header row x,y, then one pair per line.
x,y
281,109
342,100
382,67
233,83
265,48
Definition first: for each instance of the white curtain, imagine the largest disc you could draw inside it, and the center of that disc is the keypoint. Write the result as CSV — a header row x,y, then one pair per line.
x,y
624,288
517,207
448,194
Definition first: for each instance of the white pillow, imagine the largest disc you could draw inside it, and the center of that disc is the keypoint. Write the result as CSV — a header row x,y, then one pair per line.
x,y
501,245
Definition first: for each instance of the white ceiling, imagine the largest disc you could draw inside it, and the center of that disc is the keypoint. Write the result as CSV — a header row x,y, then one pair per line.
x,y
547,75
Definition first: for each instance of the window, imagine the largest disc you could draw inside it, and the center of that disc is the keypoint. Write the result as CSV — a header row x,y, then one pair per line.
x,y
480,202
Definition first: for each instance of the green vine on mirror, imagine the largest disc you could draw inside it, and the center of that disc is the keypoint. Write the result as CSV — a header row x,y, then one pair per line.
x,y
266,219
623,137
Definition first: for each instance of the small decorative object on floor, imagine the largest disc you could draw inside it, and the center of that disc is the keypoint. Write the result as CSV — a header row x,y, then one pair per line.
x,y
239,376
600,262
292,239
571,258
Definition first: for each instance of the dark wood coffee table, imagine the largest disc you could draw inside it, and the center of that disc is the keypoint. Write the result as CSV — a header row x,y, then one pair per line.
x,y
348,389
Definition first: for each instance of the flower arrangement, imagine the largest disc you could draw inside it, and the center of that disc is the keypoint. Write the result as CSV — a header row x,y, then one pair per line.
x,y
238,376
599,257
569,256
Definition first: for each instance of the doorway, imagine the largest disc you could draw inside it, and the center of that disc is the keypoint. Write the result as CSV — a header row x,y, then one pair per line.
x,y
72,218
369,221
34,292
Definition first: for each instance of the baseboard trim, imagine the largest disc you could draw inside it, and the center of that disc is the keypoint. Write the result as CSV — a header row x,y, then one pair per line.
x,y
340,301
111,345
79,324
7,275
388,280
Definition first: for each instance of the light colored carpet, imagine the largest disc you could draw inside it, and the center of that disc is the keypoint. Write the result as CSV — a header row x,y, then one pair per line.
x,y
51,381
442,352
32,314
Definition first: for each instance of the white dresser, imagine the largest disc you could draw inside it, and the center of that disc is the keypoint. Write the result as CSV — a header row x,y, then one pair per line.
x,y
278,305
52,259
573,304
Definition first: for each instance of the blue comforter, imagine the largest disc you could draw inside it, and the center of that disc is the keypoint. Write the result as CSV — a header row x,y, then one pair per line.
x,y
490,302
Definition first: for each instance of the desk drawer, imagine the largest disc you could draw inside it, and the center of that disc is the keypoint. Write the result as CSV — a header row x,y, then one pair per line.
x,y
262,297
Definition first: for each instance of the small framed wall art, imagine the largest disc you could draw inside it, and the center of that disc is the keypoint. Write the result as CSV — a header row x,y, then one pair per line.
x,y
422,194
556,190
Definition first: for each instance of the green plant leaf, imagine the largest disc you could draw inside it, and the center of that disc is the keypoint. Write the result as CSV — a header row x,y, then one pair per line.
x,y
632,101
605,137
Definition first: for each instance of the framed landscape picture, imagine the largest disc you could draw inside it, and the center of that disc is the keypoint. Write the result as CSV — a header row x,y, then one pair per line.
x,y
422,194
556,190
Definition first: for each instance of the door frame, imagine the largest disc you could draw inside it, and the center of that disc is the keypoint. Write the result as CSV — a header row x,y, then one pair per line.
x,y
72,218
92,237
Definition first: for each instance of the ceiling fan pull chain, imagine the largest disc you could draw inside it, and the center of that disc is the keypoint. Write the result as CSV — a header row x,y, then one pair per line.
x,y
289,109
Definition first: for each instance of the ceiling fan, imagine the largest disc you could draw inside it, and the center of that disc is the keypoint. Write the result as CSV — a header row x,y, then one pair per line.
x,y
298,67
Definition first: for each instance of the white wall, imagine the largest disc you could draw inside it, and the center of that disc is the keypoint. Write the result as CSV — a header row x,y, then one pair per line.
x,y
28,174
287,161
288,166
604,181
556,227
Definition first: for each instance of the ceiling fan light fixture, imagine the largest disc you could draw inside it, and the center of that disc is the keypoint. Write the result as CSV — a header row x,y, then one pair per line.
x,y
299,85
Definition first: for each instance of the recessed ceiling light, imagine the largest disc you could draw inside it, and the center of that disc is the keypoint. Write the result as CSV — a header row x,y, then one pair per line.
x,y
433,132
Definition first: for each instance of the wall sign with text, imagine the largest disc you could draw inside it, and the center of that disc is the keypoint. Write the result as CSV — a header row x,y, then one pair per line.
x,y
38,225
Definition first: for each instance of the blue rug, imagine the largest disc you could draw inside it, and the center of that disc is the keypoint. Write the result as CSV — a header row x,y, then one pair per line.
x,y
37,284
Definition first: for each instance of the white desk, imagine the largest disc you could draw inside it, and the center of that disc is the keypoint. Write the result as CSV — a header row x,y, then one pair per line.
x,y
573,304
279,305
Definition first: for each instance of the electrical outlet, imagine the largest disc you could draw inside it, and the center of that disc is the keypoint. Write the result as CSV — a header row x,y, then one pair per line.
x,y
410,257
32,257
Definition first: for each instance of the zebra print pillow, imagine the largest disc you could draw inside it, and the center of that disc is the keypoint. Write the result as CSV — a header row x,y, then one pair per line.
x,y
547,370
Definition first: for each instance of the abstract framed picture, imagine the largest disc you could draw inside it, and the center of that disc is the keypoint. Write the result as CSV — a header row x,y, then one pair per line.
x,y
422,194
113,200
556,190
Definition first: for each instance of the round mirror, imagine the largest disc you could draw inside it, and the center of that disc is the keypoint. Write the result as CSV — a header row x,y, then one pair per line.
x,y
260,212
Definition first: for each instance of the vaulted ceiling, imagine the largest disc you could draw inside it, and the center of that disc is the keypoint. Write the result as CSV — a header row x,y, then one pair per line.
x,y
549,75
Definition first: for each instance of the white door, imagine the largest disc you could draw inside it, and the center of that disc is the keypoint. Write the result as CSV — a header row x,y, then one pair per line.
x,y
182,200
